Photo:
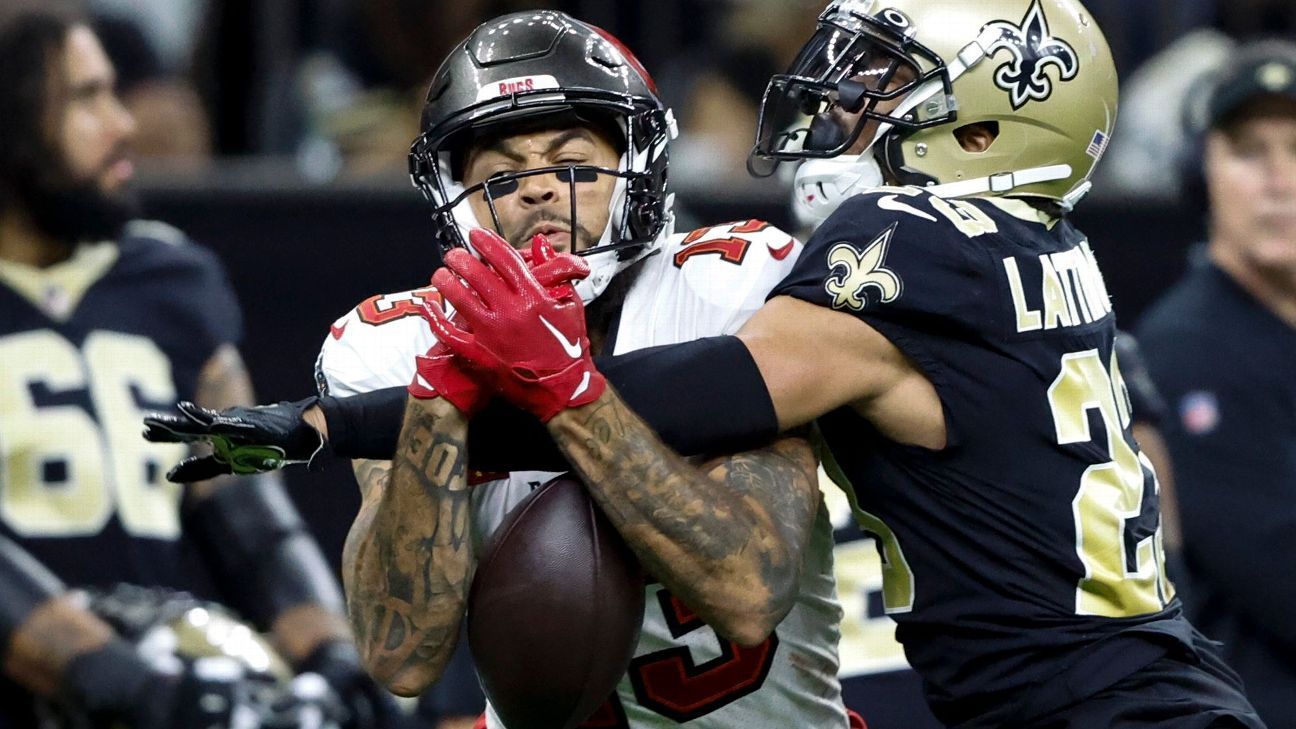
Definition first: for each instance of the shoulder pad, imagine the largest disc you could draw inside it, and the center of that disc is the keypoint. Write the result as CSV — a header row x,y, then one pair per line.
x,y
916,207
373,346
899,253
730,269
156,230
733,243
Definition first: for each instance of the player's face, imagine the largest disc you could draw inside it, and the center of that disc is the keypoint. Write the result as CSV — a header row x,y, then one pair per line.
x,y
542,203
1251,175
92,129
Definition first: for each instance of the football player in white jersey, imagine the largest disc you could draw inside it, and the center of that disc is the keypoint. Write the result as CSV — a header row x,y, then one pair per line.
x,y
557,131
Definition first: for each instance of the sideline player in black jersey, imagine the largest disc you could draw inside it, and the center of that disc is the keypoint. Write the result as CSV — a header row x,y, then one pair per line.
x,y
953,337
96,326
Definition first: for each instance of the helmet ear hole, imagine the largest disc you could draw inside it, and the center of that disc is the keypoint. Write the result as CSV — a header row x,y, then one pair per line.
x,y
977,138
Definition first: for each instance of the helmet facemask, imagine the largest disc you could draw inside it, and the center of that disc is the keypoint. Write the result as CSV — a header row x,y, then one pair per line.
x,y
639,209
856,69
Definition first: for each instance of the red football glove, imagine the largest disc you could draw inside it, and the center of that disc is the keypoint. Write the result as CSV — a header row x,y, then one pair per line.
x,y
439,375
555,272
526,337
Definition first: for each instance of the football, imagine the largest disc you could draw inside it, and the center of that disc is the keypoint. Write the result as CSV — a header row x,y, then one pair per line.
x,y
554,610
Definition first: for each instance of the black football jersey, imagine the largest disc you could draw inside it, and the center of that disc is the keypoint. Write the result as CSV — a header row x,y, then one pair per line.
x,y
86,347
1036,532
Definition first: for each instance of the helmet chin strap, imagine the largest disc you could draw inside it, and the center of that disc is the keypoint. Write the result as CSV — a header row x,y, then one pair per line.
x,y
605,265
822,185
1002,183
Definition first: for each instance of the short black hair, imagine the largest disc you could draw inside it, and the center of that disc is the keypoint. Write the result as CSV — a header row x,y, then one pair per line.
x,y
32,36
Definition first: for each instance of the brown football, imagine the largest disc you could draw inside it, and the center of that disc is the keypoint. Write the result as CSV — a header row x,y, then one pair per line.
x,y
554,610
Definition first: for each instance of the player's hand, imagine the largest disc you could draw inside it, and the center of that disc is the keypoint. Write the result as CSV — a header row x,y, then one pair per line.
x,y
439,374
557,272
369,705
244,440
525,336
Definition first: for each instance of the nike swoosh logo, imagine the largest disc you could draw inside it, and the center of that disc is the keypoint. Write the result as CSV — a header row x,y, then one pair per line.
x,y
338,331
573,349
780,254
582,387
891,203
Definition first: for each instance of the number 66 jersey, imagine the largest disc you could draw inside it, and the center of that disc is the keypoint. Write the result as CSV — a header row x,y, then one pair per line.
x,y
705,284
87,346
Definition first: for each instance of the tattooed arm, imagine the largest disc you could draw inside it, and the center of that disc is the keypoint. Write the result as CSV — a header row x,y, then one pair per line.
x,y
408,559
727,539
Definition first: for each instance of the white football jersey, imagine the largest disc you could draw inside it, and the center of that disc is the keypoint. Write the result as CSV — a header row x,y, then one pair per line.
x,y
706,283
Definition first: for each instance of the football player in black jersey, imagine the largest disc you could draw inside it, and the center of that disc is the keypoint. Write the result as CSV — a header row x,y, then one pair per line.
x,y
953,337
96,325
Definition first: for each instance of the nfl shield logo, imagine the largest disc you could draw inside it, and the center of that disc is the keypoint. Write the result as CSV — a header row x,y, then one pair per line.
x,y
1199,412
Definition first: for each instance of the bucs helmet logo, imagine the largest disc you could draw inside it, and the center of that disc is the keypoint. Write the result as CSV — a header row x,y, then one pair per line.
x,y
860,271
1033,50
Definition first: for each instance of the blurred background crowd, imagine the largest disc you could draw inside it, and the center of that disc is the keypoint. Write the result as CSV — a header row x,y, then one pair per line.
x,y
330,89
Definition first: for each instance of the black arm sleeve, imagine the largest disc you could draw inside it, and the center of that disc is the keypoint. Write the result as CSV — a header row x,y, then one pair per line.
x,y
705,396
365,425
263,558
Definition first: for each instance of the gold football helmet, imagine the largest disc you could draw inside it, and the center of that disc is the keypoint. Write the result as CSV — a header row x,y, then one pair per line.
x,y
910,73
240,680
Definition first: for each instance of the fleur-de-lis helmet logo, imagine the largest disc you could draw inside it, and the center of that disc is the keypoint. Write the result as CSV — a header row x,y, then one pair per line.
x,y
853,273
1025,77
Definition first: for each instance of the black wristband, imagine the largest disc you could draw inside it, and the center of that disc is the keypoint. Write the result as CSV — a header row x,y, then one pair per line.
x,y
112,682
365,425
701,397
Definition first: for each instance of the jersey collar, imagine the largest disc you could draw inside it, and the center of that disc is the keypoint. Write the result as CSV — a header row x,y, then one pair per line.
x,y
57,290
1023,210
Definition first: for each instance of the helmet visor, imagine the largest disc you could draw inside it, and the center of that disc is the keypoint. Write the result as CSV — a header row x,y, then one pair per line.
x,y
843,79
553,221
